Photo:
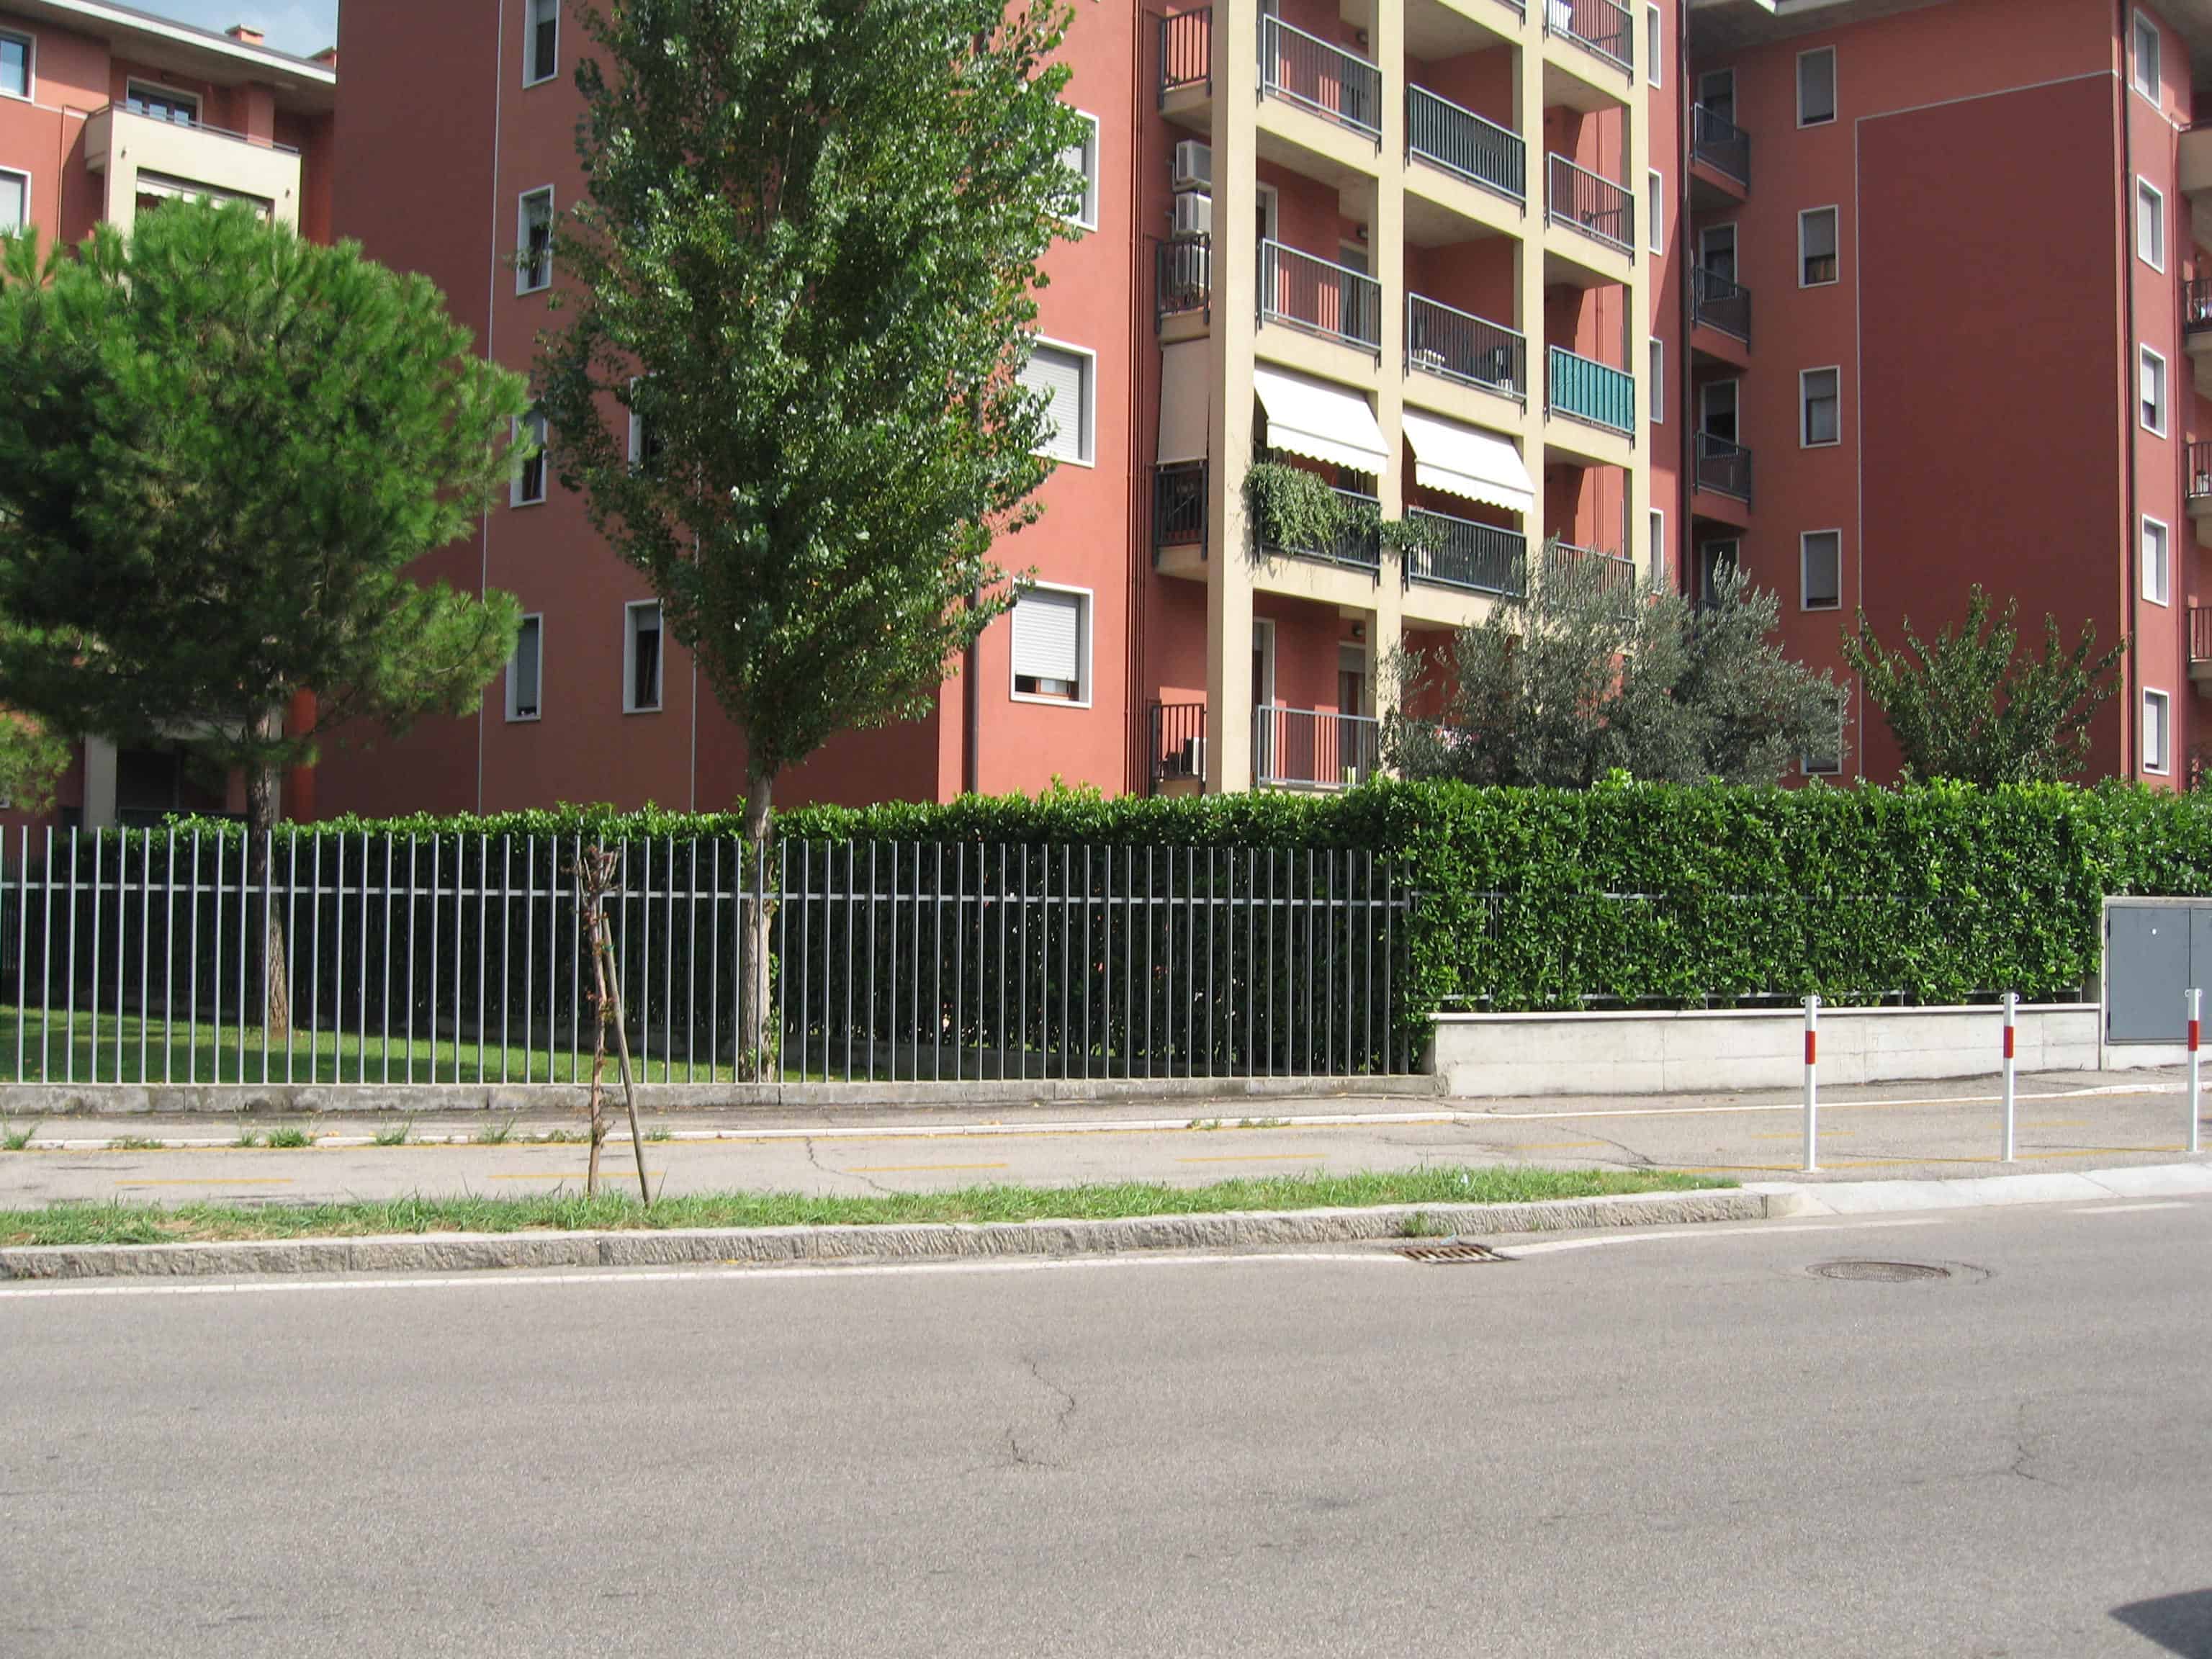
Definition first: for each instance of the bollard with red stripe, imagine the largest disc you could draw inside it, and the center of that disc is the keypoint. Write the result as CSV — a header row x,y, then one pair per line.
x,y
2011,1026
1812,1083
2196,1074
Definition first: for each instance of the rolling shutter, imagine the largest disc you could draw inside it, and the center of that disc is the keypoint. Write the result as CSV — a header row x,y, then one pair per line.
x,y
1049,637
1060,374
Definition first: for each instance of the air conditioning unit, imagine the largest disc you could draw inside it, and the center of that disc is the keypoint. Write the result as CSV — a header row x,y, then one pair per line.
x,y
1194,165
1193,213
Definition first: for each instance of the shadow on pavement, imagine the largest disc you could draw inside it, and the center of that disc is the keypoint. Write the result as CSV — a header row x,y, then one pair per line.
x,y
2180,1624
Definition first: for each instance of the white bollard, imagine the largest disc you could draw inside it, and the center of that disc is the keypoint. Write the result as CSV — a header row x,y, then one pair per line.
x,y
1812,1083
2011,1028
2195,1077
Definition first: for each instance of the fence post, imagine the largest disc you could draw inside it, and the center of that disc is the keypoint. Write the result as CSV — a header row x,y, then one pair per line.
x,y
2196,1066
1811,1084
2011,1019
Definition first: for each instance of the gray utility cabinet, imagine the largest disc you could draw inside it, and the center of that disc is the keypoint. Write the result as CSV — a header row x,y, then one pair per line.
x,y
2155,950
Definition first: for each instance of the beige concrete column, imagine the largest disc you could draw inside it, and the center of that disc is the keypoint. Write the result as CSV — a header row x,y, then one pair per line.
x,y
1387,237
1636,534
1529,124
1235,289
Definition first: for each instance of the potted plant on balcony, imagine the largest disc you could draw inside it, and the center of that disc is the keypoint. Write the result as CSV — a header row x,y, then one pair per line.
x,y
1291,508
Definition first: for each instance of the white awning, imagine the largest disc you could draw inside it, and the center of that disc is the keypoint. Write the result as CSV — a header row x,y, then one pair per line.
x,y
1462,460
1321,422
1185,411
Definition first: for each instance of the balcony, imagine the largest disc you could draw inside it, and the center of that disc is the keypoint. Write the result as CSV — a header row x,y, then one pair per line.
x,y
2197,483
1613,572
1182,279
1457,345
1590,392
1720,158
1357,546
2200,643
1321,297
1465,144
177,159
1314,748
2196,331
1186,43
1598,26
1476,558
1723,467
1598,207
1180,513
1306,70
1718,303
1177,747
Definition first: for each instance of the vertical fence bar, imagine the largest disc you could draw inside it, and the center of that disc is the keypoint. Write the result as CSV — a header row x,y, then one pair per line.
x,y
146,941
889,1025
783,949
291,955
2011,1014
69,986
871,959
852,892
1811,1084
937,969
47,958
1389,958
668,964
246,947
98,877
23,949
1086,998
1022,981
1269,1050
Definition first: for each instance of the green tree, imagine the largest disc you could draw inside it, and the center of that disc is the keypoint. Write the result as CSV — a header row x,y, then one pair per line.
x,y
1583,676
1968,708
803,268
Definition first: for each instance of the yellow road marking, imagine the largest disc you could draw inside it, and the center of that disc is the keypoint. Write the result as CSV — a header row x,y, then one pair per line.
x,y
2057,1123
1552,1146
1262,1158
212,1181
903,1168
566,1175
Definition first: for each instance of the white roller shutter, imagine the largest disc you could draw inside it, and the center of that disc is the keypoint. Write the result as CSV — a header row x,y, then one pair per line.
x,y
15,203
1186,403
1049,637
1060,374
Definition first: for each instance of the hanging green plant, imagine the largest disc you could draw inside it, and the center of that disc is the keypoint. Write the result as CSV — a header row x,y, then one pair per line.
x,y
1291,508
1411,535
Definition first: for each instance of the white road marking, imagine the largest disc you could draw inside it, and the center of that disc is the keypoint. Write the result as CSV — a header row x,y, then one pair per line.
x,y
1769,1228
2131,1209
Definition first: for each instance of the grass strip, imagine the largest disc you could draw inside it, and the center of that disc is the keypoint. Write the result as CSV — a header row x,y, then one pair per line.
x,y
146,1224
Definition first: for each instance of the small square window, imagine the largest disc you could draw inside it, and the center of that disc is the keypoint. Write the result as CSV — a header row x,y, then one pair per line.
x,y
2148,46
1820,561
1081,160
2152,390
1816,87
641,657
526,670
529,486
1052,645
15,54
541,42
15,201
2150,224
1654,41
1655,209
1658,382
1821,399
533,241
2157,564
2157,732
1816,247
1064,376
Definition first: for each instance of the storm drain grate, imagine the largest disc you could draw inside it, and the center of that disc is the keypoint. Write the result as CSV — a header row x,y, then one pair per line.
x,y
1880,1273
1454,1251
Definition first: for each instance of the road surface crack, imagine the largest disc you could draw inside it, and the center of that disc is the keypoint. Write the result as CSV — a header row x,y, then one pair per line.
x,y
2024,1453
1021,1455
848,1175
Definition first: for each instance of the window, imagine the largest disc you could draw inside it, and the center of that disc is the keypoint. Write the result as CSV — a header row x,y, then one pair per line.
x,y
15,54
541,41
1658,382
160,104
1652,42
1064,375
526,670
1816,247
1051,646
2157,732
2157,568
644,442
529,486
1716,561
533,241
2150,224
1082,160
2147,50
1655,209
1816,87
1658,554
641,657
15,201
1821,398
1820,570
2152,389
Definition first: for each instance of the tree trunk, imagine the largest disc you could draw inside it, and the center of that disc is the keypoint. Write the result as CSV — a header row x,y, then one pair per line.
x,y
591,908
752,1026
260,822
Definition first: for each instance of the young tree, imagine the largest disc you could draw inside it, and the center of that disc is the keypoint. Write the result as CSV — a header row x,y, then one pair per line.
x,y
803,267
1582,676
1968,709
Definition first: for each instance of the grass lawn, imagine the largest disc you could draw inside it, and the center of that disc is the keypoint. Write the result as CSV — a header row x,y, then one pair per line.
x,y
142,1224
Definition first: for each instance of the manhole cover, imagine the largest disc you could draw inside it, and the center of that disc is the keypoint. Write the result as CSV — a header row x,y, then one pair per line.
x,y
1452,1252
1880,1273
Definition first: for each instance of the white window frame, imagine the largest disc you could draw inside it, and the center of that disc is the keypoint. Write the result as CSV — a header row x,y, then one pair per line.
x,y
30,92
1803,213
637,424
29,218
514,714
532,421
522,201
1657,364
1655,45
2143,24
1086,213
1655,209
2150,213
1835,88
1804,583
1089,444
2144,357
530,45
1805,439
1733,544
1656,528
2165,704
1082,654
630,705
198,103
2163,592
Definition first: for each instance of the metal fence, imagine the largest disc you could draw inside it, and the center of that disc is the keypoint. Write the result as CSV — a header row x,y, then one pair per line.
x,y
1459,140
148,957
1321,295
1186,48
1305,70
1461,346
1486,558
1591,203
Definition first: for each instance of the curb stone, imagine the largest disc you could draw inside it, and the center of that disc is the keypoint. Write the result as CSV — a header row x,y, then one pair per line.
x,y
916,1242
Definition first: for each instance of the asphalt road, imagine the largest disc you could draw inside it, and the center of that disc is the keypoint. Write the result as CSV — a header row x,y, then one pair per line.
x,y
1681,1443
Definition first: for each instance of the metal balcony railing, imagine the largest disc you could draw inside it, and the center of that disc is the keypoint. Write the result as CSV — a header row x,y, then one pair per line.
x,y
1316,293
1597,25
1615,574
1461,346
1723,467
140,112
1592,392
1716,303
1462,142
1309,71
1183,276
2198,477
2200,633
1314,748
1720,144
1179,507
1176,743
2197,304
1358,545
1595,206
1186,39
1483,558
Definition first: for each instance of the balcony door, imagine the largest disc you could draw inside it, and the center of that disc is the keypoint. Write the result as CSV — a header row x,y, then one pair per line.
x,y
1351,302
1265,720
1717,410
1354,690
1717,93
1717,250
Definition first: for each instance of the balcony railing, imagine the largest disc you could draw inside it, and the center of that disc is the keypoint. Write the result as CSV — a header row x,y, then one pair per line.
x,y
1615,574
1596,207
1462,142
140,112
1185,50
1462,347
1179,507
1723,467
1716,303
1315,293
1306,70
1598,26
1720,144
1314,748
1592,391
1176,743
2197,304
2200,633
1357,546
1482,558
1183,276
2198,478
